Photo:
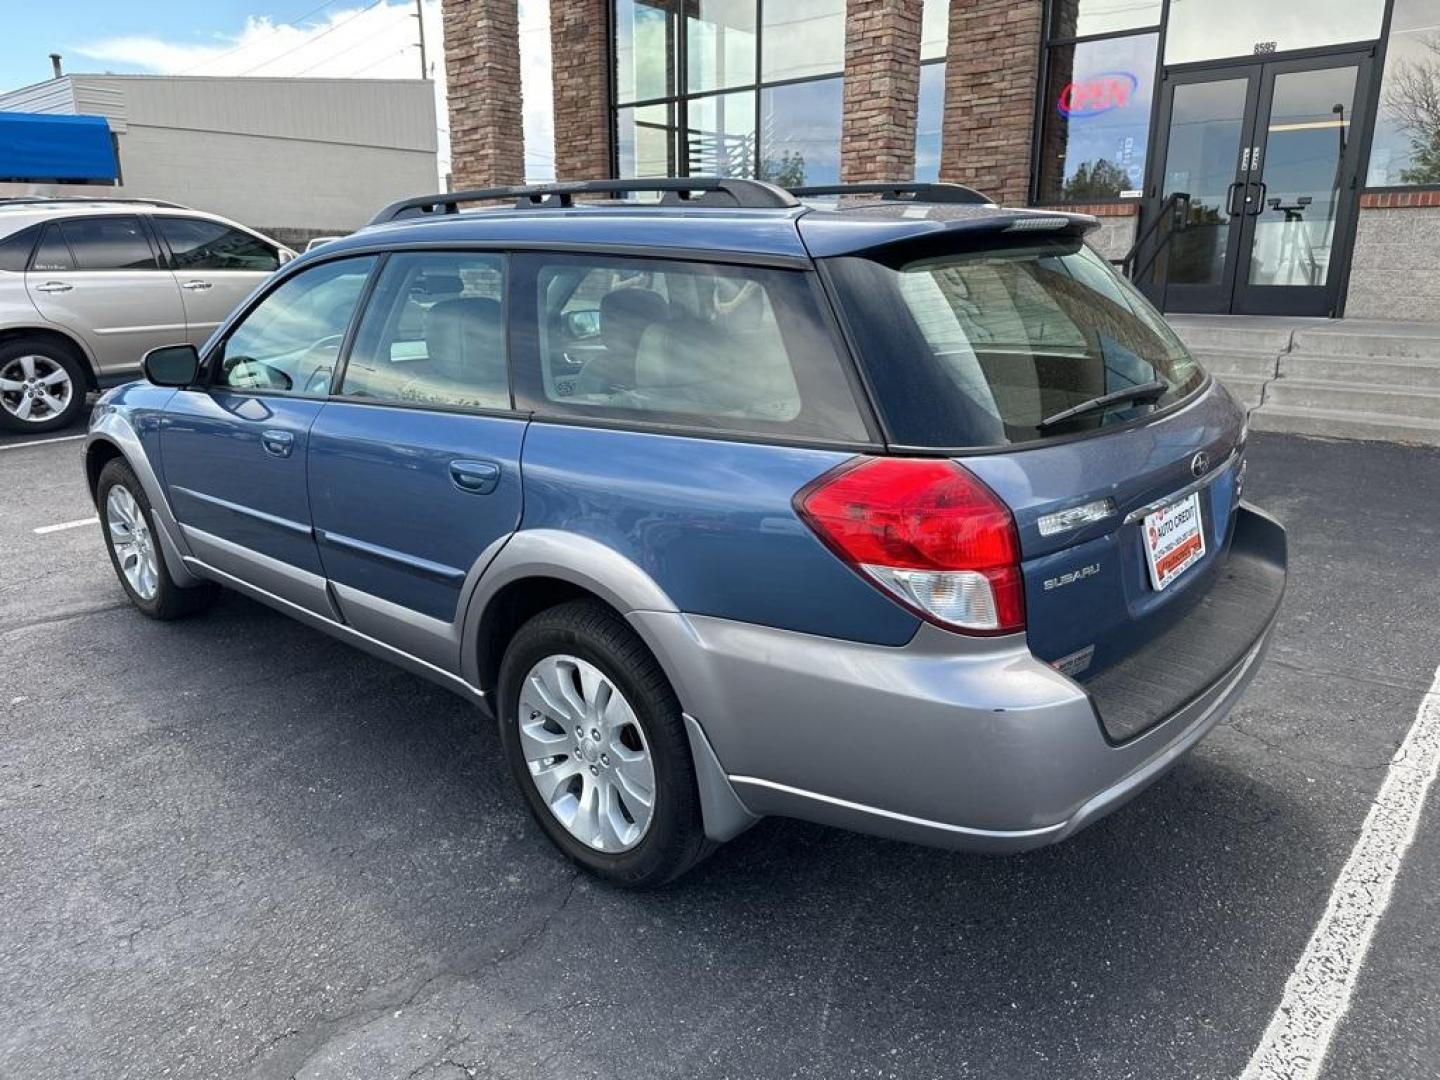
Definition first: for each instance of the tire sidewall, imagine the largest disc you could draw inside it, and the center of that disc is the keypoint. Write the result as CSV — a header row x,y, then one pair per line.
x,y
674,773
118,474
73,367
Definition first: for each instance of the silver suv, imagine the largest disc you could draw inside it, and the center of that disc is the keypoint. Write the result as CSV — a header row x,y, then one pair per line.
x,y
88,286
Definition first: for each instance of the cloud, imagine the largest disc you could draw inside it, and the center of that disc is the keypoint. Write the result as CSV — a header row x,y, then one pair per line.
x,y
374,41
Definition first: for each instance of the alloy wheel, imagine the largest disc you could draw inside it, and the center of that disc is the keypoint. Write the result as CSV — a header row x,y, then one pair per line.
x,y
35,388
132,541
586,753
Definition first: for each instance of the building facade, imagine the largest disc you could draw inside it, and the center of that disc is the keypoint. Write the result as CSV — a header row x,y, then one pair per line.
x,y
294,158
1270,159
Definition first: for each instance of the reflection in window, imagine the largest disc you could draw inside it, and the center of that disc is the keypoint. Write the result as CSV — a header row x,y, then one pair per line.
x,y
928,116
934,29
644,49
645,142
1213,29
1097,118
802,37
1082,18
720,136
800,133
720,44
1406,149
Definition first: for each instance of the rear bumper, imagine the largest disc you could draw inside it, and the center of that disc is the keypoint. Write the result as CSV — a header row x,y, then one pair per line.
x,y
951,741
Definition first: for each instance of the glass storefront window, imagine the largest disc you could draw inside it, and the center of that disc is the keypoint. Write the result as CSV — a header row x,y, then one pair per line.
x,y
1097,119
928,116
1214,29
800,133
645,140
1406,148
720,135
1081,18
644,49
934,29
802,38
719,44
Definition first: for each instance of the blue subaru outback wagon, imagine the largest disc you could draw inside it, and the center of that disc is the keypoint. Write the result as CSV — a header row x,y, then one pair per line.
x,y
890,509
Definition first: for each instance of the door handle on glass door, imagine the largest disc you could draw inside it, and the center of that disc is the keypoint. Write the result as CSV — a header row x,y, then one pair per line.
x,y
1230,207
196,286
475,477
278,443
54,286
1259,203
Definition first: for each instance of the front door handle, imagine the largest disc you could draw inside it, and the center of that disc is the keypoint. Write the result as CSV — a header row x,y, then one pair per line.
x,y
196,286
278,443
475,477
54,286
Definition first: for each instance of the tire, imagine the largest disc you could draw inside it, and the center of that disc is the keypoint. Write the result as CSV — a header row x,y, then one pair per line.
x,y
42,386
581,638
125,511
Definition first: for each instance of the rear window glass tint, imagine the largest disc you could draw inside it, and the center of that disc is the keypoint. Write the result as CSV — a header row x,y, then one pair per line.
x,y
111,243
53,254
15,250
980,348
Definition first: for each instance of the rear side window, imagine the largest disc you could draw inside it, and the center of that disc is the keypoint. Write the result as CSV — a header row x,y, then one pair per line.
x,y
53,254
15,250
198,244
988,347
109,243
727,348
433,334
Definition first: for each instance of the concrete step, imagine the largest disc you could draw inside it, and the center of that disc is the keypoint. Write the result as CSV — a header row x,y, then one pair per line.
x,y
1418,344
1247,389
1390,374
1332,424
1224,362
1350,397
1223,334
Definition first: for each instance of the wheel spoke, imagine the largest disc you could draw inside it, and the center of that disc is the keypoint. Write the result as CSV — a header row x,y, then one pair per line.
x,y
55,378
586,822
22,412
614,828
636,779
11,384
564,682
540,744
549,700
27,365
551,780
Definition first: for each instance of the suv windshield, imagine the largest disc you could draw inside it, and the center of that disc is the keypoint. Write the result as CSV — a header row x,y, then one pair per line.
x,y
1008,344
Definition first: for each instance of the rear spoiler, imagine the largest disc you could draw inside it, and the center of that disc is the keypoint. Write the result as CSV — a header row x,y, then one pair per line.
x,y
843,234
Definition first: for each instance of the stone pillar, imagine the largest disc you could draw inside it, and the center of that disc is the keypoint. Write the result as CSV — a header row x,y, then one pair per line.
x,y
580,65
990,84
482,69
882,87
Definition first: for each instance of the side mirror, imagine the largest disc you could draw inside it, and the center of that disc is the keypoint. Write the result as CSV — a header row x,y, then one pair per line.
x,y
172,365
284,255
582,324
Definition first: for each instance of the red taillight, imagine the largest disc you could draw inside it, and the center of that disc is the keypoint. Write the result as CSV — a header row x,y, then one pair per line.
x,y
927,531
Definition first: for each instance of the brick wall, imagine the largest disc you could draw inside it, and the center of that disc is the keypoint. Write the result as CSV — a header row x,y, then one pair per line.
x,y
1392,272
990,87
482,67
882,83
580,58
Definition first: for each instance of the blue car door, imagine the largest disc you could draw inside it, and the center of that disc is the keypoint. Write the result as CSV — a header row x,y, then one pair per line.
x,y
414,466
234,450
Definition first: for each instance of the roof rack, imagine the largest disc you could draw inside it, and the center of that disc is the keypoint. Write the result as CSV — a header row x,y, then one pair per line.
x,y
929,193
15,200
675,191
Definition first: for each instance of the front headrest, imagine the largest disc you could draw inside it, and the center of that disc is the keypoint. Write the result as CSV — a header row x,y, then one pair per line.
x,y
465,333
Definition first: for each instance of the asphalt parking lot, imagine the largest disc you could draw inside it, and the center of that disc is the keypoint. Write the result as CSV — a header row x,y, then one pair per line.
x,y
234,847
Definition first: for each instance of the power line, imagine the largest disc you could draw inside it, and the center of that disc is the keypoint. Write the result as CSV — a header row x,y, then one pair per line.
x,y
247,44
387,28
311,40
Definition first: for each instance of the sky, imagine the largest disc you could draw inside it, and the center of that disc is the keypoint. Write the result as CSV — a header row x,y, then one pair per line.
x,y
370,39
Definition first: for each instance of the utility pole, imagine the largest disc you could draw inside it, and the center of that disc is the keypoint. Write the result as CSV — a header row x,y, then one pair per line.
x,y
420,18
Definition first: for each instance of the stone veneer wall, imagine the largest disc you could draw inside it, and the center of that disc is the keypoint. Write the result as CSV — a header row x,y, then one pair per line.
x,y
1395,271
882,88
580,57
482,69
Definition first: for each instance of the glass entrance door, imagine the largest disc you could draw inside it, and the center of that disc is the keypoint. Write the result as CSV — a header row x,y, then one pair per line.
x,y
1268,154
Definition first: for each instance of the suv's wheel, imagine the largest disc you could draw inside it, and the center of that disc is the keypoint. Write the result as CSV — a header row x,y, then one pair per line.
x,y
596,741
134,548
42,386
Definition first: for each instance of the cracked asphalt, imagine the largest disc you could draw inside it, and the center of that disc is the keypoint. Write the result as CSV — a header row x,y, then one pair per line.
x,y
232,847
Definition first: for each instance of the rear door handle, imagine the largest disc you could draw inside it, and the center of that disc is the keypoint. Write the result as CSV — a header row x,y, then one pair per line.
x,y
475,477
54,286
278,443
196,286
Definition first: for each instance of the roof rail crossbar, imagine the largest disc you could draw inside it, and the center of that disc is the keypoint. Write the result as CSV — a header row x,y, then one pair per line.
x,y
675,191
931,193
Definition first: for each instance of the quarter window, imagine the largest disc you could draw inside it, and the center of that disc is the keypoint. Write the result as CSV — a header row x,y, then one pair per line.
x,y
434,334
289,342
108,243
53,253
199,244
720,347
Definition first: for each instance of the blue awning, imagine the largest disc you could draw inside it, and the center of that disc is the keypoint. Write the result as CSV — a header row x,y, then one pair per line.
x,y
41,147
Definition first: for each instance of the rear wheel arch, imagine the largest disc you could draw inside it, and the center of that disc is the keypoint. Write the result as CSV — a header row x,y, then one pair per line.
x,y
60,340
512,606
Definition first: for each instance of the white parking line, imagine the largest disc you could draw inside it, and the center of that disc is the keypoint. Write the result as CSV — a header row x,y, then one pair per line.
x,y
39,442
44,529
1318,993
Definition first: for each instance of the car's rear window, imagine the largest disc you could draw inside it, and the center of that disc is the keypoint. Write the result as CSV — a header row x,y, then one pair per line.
x,y
989,347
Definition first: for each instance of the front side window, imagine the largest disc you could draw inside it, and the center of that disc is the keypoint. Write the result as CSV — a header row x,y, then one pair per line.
x,y
288,343
717,347
199,244
108,243
988,347
433,334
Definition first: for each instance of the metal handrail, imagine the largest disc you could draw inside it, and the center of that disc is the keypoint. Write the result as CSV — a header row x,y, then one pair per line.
x,y
1174,208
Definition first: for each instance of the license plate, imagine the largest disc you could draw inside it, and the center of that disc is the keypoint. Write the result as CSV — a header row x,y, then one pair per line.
x,y
1174,540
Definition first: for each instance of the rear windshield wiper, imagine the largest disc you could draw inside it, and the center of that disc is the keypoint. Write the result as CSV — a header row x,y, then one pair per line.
x,y
1146,391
